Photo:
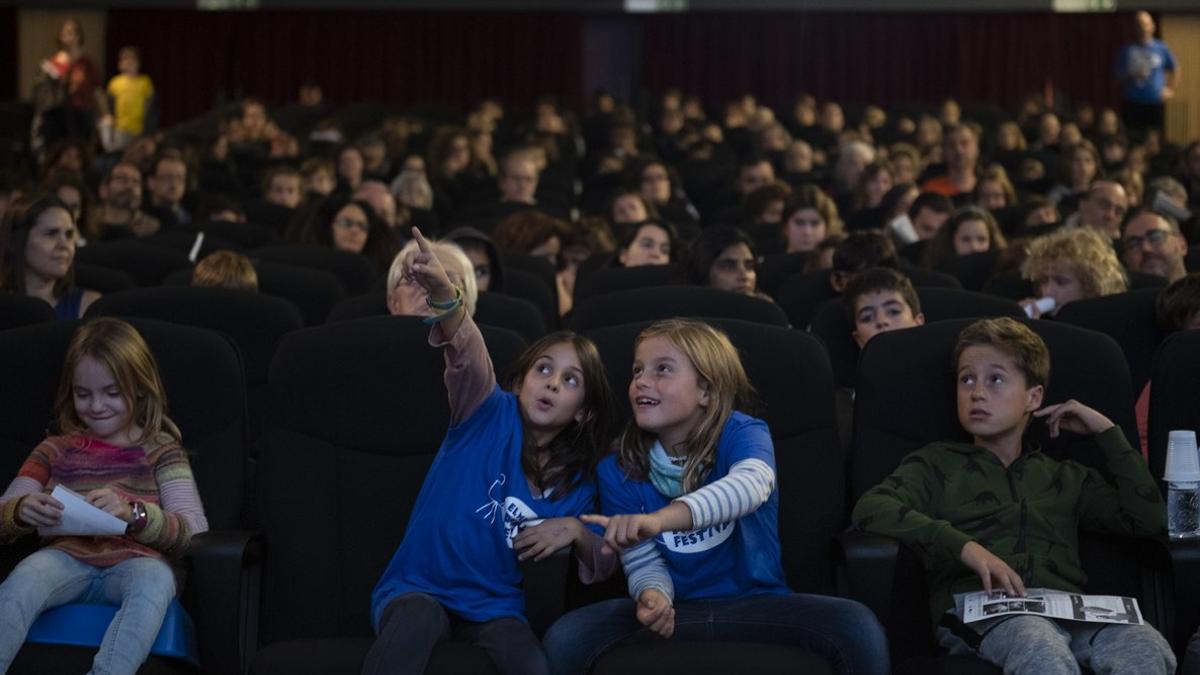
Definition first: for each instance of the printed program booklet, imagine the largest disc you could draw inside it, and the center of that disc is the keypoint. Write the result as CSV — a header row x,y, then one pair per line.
x,y
982,605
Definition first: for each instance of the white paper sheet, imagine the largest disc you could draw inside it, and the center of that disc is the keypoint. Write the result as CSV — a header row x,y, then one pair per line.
x,y
981,605
81,518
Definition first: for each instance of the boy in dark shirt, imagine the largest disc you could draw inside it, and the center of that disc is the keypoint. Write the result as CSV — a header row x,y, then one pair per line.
x,y
1001,514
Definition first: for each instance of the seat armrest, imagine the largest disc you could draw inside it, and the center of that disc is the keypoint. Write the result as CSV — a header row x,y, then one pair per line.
x,y
1185,580
546,588
889,579
223,595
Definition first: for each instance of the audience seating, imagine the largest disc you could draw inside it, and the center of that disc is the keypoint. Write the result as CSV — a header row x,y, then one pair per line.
x,y
146,263
313,292
1130,319
776,269
802,295
1174,404
613,279
892,421
519,283
18,309
539,267
491,309
355,271
245,235
103,279
356,414
972,271
184,241
794,386
203,380
256,323
664,302
833,326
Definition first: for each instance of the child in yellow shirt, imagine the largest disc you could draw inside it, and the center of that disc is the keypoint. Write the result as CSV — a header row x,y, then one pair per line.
x,y
130,92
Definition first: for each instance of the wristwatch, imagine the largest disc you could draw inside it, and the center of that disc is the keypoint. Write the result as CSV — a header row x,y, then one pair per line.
x,y
137,511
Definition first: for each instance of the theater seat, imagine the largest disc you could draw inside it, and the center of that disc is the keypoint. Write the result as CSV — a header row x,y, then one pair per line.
x,y
491,309
148,265
891,421
1130,319
355,272
18,309
614,279
201,373
790,373
664,302
356,414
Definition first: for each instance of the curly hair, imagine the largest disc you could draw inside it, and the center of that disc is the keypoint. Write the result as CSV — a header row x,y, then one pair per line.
x,y
1086,253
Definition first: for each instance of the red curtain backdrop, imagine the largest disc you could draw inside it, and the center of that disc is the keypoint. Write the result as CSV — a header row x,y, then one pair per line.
x,y
885,57
197,59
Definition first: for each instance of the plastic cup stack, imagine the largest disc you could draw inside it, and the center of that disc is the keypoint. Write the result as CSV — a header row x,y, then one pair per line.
x,y
1183,481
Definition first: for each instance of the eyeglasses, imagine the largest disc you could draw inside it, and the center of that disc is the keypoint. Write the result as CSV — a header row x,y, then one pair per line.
x,y
347,223
1154,237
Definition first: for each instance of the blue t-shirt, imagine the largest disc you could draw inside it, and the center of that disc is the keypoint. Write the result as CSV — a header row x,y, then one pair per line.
x,y
727,560
1143,68
458,545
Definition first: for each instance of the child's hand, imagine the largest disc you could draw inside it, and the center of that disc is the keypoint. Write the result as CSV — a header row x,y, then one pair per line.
x,y
541,541
654,611
625,530
39,509
990,567
427,270
111,503
1074,417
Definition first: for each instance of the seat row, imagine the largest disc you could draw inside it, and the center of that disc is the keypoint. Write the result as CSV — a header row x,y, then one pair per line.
x,y
354,412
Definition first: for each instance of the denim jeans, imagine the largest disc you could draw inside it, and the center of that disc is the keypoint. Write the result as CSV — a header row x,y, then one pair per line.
x,y
414,623
1035,645
143,587
843,631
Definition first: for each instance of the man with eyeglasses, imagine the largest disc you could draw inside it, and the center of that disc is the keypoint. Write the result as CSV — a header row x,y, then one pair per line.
x,y
1102,208
1152,244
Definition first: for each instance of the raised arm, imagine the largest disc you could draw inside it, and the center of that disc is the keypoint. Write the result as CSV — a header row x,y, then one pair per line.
x,y
470,376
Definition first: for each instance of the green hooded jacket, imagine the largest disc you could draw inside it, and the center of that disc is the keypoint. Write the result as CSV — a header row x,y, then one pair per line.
x,y
1028,514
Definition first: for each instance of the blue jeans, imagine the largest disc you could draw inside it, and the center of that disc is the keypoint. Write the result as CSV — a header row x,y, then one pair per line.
x,y
143,587
843,631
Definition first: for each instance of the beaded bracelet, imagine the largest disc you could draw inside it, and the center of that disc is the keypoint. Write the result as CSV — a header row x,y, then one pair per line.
x,y
448,304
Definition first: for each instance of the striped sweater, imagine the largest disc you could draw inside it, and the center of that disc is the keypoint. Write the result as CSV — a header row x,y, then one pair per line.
x,y
156,474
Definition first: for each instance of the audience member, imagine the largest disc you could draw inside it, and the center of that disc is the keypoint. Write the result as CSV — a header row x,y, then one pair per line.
x,y
37,255
1152,244
1069,265
225,269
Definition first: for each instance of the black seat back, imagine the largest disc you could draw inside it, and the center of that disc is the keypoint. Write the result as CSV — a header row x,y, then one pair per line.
x,y
833,326
1174,401
355,271
790,373
18,309
905,397
105,280
206,398
148,265
356,414
613,279
664,302
1129,318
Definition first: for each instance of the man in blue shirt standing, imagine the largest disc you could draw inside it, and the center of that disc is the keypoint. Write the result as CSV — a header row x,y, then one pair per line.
x,y
1147,73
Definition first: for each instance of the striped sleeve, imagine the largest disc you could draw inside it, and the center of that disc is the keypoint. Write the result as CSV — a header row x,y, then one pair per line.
x,y
32,477
645,568
746,487
179,514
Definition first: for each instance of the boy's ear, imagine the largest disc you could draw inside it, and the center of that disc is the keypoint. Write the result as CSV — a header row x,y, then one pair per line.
x,y
1033,400
919,319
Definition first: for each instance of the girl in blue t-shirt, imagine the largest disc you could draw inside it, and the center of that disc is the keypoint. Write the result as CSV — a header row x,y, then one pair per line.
x,y
691,505
509,482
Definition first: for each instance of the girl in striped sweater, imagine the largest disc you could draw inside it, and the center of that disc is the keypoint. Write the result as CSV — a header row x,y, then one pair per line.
x,y
691,505
121,452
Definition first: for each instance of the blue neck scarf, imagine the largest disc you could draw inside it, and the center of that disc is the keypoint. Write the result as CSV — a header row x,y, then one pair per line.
x,y
665,475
